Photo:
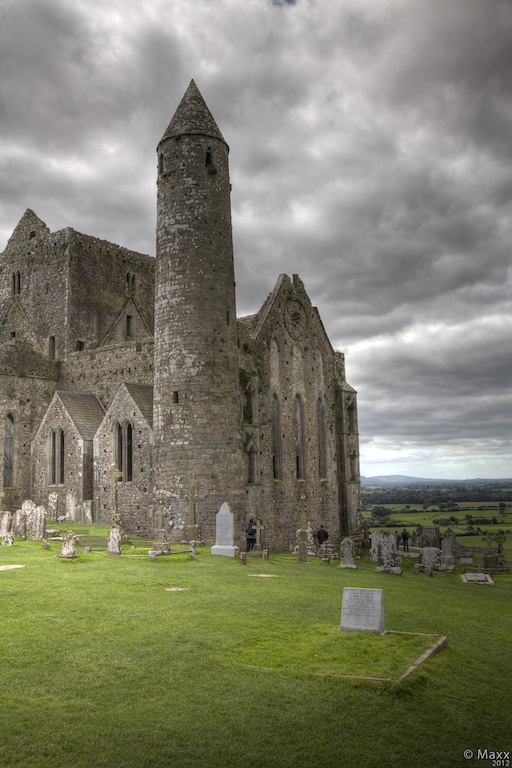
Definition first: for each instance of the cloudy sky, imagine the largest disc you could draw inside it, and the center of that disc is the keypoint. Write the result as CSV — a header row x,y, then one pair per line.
x,y
371,152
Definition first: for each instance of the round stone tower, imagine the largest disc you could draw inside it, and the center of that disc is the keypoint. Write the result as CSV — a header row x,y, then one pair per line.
x,y
198,452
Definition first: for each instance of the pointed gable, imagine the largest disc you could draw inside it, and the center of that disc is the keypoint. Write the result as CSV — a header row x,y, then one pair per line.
x,y
289,306
85,411
29,227
193,117
142,395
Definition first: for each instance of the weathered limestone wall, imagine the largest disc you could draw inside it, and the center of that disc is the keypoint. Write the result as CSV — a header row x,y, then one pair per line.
x,y
27,383
101,371
65,291
107,284
35,307
290,349
134,497
197,413
42,487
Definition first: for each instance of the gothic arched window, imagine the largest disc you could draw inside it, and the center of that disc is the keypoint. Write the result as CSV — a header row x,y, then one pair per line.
x,y
123,450
57,463
322,449
277,450
252,465
300,438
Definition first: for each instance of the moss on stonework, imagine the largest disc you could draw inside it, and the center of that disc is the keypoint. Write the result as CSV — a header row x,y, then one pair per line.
x,y
23,360
243,377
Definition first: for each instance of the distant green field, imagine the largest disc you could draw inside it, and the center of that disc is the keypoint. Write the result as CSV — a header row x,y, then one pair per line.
x,y
400,517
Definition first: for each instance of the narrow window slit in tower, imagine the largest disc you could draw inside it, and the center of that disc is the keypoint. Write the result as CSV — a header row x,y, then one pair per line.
x,y
227,317
129,326
175,397
209,160
160,163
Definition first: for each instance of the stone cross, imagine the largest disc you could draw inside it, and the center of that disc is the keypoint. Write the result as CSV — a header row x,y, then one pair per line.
x,y
115,474
500,540
259,531
161,515
192,498
192,530
488,542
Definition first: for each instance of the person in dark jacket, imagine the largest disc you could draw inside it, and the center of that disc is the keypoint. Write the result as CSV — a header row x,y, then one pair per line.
x,y
250,534
321,535
405,539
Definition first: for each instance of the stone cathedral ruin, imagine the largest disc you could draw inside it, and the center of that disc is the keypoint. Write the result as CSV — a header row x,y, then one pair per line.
x,y
120,369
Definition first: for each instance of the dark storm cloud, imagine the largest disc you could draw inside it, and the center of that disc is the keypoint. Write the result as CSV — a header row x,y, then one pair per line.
x,y
370,153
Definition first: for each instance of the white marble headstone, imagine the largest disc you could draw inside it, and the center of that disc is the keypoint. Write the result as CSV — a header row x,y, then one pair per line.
x,y
224,531
363,609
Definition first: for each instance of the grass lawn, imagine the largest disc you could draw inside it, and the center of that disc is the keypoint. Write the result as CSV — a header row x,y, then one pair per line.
x,y
103,665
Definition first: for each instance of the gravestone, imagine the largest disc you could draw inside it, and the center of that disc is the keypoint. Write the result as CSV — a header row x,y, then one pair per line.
x,y
430,537
362,609
466,561
260,533
88,512
303,551
477,578
430,561
224,532
68,545
71,506
28,508
53,506
19,524
384,553
5,523
114,541
264,553
161,543
243,558
448,548
192,530
348,554
38,524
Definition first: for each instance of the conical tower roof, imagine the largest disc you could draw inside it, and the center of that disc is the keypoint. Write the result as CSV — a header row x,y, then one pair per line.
x,y
193,117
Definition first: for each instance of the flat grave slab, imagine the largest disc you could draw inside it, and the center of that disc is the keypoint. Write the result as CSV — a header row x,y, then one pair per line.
x,y
477,578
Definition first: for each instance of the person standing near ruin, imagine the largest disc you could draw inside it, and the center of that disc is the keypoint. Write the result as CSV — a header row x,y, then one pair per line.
x,y
250,535
405,539
321,536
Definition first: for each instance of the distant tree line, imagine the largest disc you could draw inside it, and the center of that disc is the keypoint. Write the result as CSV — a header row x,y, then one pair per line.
x,y
428,496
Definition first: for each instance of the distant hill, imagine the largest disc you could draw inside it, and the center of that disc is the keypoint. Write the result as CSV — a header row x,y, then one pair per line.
x,y
408,480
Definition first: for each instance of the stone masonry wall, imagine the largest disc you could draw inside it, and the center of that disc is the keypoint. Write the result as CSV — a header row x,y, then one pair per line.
x,y
101,371
300,362
134,497
56,417
197,413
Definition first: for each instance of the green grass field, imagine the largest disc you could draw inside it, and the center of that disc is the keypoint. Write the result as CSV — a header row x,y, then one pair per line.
x,y
400,517
103,665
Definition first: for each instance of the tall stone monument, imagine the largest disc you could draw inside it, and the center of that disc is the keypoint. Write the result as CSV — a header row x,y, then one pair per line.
x,y
224,532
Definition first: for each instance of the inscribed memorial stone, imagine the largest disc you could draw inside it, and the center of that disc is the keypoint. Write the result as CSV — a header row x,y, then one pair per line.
x,y
224,532
363,609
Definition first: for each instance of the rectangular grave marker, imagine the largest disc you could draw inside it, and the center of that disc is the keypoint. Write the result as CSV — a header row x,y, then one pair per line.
x,y
362,609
